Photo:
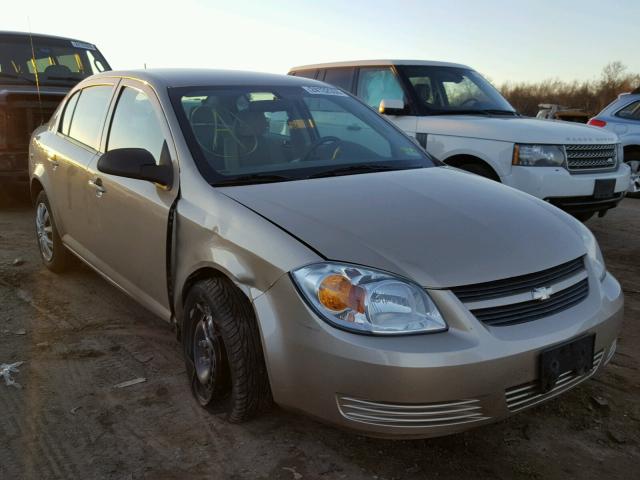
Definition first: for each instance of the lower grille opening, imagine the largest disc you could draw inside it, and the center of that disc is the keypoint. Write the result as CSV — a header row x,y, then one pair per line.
x,y
408,415
528,394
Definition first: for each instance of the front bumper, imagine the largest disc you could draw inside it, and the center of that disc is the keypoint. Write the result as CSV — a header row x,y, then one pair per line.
x,y
573,192
423,385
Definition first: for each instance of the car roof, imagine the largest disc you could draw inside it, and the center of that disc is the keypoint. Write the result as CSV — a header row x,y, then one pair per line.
x,y
194,77
370,63
10,34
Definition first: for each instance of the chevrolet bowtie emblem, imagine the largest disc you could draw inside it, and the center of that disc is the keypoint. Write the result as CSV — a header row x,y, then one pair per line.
x,y
542,293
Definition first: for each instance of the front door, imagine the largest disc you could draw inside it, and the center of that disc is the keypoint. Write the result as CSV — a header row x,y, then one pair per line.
x,y
381,83
132,216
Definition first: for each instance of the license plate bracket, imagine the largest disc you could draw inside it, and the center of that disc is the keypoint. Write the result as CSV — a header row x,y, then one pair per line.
x,y
604,188
573,356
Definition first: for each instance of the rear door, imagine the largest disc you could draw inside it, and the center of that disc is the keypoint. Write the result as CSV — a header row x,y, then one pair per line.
x,y
71,148
132,216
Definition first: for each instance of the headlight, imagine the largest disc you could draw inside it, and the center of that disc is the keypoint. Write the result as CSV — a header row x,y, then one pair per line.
x,y
367,301
538,155
594,253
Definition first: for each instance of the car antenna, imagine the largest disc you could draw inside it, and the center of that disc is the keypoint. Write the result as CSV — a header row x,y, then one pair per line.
x,y
35,71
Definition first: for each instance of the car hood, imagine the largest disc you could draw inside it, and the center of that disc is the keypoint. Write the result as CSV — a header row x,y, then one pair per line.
x,y
439,226
514,129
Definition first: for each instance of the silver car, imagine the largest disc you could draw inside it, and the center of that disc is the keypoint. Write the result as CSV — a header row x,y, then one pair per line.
x,y
622,116
311,254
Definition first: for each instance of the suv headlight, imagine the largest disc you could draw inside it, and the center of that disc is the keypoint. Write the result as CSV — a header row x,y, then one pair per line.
x,y
367,301
594,253
538,155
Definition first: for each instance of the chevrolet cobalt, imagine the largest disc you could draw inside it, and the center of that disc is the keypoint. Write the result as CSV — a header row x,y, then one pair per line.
x,y
311,254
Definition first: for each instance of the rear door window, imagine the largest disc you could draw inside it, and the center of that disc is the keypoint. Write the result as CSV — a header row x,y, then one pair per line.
x,y
631,111
340,77
306,73
89,115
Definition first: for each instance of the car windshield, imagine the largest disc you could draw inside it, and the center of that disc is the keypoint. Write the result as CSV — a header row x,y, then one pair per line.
x,y
244,135
451,90
52,61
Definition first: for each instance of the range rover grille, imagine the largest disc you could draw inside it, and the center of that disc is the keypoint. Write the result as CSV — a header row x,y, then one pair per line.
x,y
591,157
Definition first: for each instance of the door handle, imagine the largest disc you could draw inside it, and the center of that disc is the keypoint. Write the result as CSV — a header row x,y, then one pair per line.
x,y
97,184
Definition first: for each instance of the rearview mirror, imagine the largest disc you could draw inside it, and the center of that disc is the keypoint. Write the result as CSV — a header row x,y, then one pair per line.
x,y
136,163
391,107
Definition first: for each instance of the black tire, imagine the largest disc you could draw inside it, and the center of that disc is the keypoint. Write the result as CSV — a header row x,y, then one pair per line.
x,y
480,169
60,258
237,385
583,216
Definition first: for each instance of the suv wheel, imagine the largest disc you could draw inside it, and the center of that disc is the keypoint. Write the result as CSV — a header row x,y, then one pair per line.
x,y
54,254
223,351
634,163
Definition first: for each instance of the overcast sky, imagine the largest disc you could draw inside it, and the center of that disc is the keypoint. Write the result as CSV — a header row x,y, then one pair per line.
x,y
517,40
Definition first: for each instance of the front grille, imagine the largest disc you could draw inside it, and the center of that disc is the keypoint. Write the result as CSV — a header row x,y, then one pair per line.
x,y
528,394
514,313
591,157
521,284
409,415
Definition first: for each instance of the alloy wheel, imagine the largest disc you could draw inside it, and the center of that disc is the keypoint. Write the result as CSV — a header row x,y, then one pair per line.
x,y
44,230
635,175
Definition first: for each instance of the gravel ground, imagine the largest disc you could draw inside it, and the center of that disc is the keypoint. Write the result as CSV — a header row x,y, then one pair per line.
x,y
79,337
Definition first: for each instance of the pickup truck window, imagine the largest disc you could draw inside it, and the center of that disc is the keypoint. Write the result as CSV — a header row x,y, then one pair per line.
x,y
52,61
135,124
89,114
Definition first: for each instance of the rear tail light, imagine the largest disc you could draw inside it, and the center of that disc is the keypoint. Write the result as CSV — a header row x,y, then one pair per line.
x,y
594,122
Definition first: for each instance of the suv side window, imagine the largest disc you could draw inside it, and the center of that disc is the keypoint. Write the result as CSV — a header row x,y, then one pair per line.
x,y
68,113
377,83
135,124
631,111
89,114
340,77
306,73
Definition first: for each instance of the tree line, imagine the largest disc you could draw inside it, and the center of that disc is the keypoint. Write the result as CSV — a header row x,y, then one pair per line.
x,y
588,95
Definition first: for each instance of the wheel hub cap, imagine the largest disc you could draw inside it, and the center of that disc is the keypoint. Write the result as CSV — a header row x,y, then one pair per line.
x,y
204,350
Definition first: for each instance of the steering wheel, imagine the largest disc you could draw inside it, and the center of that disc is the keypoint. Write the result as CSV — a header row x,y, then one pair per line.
x,y
328,140
470,101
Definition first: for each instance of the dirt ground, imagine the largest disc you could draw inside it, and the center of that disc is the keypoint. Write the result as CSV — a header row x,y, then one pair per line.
x,y
79,337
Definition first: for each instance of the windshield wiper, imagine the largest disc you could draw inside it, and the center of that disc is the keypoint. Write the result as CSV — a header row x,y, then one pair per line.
x,y
354,169
252,179
74,79
15,76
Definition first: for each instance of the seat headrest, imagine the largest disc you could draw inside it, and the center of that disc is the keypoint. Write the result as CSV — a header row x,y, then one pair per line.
x,y
58,70
423,90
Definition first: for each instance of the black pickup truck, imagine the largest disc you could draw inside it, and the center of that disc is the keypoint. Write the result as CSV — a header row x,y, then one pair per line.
x,y
36,72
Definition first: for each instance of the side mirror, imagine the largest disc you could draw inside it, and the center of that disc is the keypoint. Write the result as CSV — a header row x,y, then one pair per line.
x,y
391,107
136,163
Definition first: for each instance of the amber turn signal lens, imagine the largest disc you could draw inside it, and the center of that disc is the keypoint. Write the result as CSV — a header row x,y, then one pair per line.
x,y
337,293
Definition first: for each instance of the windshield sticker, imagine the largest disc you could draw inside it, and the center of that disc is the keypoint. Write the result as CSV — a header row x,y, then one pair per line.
x,y
86,46
325,91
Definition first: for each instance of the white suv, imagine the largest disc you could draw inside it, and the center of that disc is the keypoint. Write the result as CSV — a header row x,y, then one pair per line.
x,y
459,118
